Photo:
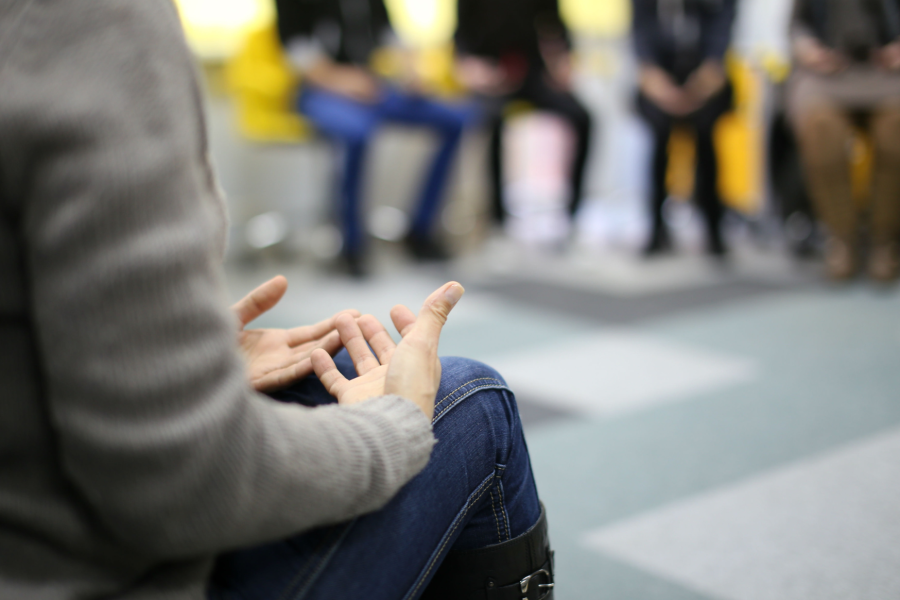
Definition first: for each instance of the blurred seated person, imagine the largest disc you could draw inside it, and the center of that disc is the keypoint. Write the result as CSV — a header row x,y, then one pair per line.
x,y
520,50
330,43
681,46
848,75
153,446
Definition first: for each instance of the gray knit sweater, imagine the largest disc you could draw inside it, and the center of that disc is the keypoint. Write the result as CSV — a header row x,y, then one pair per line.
x,y
132,449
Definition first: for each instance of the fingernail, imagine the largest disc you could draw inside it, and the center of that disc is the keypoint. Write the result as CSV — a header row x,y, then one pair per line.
x,y
454,293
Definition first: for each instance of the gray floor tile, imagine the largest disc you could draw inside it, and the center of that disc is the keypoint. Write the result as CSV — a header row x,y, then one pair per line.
x,y
825,528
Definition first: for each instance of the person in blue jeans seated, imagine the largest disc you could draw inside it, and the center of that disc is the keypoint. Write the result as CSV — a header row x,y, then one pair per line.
x,y
154,446
330,43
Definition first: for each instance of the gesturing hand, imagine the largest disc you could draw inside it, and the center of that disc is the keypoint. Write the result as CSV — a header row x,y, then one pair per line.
x,y
278,357
410,369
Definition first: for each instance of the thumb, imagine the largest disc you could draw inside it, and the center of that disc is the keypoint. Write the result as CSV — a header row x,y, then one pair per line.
x,y
437,308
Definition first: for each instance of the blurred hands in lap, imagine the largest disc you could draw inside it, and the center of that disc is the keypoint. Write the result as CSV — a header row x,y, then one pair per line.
x,y
888,57
349,81
410,369
483,76
707,81
659,87
276,358
815,56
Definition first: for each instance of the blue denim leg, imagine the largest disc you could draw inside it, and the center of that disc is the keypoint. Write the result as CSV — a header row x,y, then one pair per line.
x,y
352,124
448,120
477,490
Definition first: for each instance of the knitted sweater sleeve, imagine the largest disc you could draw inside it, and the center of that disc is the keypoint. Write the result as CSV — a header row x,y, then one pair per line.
x,y
157,430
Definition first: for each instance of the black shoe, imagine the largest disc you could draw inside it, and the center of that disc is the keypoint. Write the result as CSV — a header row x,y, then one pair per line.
x,y
425,248
715,246
352,264
518,569
658,243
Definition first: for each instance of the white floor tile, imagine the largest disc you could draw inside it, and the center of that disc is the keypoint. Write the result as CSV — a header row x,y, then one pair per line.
x,y
613,372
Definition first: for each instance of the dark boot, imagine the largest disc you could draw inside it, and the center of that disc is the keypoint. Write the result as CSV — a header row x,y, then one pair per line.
x,y
659,241
518,569
425,248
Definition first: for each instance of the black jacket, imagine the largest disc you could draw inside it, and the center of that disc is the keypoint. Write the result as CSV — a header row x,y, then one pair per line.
x,y
852,26
496,28
678,35
347,30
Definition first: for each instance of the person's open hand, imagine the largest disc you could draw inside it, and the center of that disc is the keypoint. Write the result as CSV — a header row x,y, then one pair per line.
x,y
277,358
410,369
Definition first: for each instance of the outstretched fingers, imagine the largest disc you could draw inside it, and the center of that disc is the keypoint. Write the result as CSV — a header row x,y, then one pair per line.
x,y
327,372
260,300
378,337
356,344
307,333
278,379
403,318
331,343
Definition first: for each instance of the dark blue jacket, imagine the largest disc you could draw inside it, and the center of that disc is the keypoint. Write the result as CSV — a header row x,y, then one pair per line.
x,y
678,35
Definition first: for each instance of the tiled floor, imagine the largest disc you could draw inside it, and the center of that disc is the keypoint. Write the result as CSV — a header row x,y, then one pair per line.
x,y
697,431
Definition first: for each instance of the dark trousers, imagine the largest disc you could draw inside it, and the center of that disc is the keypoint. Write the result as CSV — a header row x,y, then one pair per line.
x,y
539,92
703,121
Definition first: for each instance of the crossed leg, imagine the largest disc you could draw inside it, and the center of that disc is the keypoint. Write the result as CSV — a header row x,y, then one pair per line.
x,y
477,491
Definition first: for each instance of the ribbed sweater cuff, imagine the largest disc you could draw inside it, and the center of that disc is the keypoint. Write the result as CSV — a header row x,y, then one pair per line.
x,y
416,439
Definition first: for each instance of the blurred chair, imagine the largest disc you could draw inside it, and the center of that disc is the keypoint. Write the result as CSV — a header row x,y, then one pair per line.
x,y
264,87
739,145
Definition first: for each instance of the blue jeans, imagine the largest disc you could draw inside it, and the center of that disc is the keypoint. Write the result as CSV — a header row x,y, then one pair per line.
x,y
477,490
354,124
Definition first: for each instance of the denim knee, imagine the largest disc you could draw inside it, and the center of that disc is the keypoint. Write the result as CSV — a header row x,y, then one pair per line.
x,y
462,377
475,410
478,398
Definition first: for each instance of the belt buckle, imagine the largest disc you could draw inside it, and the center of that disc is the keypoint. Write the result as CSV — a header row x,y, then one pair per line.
x,y
526,581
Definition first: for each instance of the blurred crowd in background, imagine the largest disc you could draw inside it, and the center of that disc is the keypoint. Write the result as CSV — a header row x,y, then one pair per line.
x,y
645,126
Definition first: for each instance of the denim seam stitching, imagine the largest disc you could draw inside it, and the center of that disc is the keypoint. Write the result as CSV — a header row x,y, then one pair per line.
x,y
470,382
485,485
287,592
463,397
503,512
323,562
496,518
